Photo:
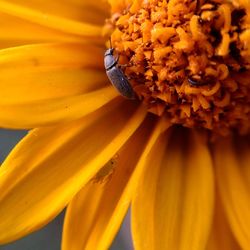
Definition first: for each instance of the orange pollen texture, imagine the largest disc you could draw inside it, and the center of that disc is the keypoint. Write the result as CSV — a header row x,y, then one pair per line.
x,y
188,60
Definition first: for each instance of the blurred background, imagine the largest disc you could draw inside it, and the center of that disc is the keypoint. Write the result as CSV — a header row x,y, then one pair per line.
x,y
49,237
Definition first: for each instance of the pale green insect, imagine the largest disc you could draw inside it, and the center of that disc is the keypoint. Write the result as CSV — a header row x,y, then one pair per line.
x,y
106,172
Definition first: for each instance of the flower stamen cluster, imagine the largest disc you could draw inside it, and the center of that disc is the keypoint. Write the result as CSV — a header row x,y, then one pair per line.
x,y
188,60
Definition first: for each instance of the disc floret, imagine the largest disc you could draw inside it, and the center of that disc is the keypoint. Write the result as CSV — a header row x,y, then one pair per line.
x,y
189,60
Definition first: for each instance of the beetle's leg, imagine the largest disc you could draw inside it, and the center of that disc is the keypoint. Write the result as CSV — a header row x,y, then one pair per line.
x,y
127,9
123,65
126,65
117,59
110,43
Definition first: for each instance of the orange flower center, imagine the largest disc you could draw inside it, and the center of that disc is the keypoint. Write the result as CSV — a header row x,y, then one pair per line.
x,y
188,60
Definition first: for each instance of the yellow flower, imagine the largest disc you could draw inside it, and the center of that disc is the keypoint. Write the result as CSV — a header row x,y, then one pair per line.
x,y
98,153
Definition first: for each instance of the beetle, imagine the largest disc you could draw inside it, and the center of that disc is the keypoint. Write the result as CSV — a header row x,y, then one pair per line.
x,y
116,75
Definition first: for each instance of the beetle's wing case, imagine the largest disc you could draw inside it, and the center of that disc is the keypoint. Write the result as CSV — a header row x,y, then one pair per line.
x,y
120,82
109,60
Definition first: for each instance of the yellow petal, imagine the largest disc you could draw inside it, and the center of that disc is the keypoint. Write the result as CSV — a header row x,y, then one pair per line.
x,y
172,208
39,89
125,199
19,86
53,111
119,6
54,21
143,222
243,153
79,10
96,213
16,31
234,186
57,55
221,236
50,165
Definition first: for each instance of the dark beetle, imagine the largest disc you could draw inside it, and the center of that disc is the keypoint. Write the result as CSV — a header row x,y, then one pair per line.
x,y
116,75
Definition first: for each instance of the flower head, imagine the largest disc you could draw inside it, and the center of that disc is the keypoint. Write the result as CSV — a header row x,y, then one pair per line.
x,y
184,171
188,60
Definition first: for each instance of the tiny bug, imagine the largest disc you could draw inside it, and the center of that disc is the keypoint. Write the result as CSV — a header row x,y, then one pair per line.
x,y
195,82
116,76
106,172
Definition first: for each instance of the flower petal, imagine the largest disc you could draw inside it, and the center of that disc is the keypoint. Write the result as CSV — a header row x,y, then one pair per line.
x,y
44,16
50,165
53,111
130,187
142,234
39,89
79,10
21,86
16,31
221,236
177,196
234,185
243,153
96,213
57,55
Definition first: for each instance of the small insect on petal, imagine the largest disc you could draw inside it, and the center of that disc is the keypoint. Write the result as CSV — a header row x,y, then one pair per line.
x,y
116,75
106,172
